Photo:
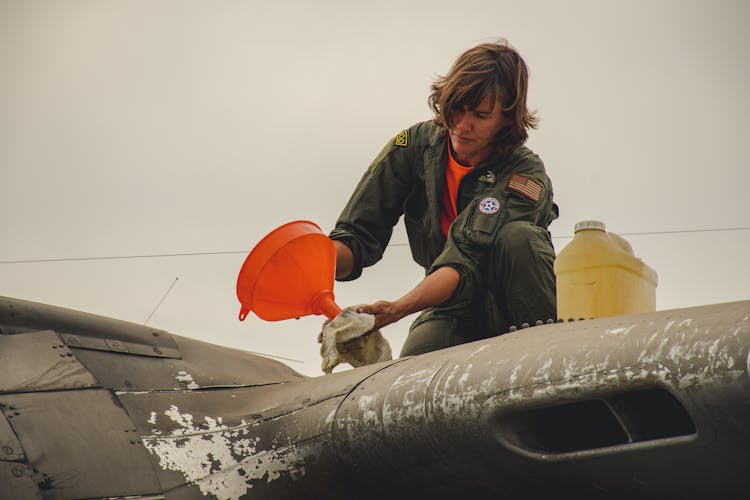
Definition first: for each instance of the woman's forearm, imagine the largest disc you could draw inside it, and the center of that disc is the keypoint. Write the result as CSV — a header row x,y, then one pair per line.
x,y
434,289
431,291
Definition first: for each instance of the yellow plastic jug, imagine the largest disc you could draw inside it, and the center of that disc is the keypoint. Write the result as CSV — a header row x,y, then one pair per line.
x,y
598,276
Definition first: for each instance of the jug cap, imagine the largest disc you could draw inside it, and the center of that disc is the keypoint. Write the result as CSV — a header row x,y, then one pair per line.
x,y
589,224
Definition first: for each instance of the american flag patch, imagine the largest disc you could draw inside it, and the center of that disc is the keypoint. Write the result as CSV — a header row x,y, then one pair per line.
x,y
525,186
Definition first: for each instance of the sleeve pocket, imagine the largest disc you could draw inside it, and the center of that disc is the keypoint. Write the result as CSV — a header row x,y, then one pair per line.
x,y
483,220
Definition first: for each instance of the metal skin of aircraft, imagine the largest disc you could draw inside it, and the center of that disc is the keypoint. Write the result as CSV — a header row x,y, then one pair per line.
x,y
652,406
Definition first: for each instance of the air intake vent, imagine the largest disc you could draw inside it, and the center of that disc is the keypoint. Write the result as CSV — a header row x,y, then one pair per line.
x,y
616,420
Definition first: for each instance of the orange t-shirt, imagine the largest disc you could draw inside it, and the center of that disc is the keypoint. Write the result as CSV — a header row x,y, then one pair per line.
x,y
454,172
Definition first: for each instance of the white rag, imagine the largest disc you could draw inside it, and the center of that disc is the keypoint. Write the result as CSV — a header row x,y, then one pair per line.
x,y
348,338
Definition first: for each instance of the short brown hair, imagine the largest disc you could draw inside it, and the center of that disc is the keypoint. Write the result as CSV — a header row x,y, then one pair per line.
x,y
496,70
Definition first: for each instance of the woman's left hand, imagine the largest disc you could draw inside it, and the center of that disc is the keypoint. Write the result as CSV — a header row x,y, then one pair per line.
x,y
385,312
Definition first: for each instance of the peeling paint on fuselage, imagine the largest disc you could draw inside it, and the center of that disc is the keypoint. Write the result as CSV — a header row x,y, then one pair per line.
x,y
714,355
673,353
367,405
330,417
222,461
186,381
618,331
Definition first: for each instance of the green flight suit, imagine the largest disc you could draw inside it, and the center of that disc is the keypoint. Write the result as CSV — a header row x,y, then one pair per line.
x,y
499,242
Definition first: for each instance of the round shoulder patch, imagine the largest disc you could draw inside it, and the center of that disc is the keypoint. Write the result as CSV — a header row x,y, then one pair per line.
x,y
489,205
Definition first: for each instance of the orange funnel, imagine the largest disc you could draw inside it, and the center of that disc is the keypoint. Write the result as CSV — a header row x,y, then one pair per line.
x,y
289,274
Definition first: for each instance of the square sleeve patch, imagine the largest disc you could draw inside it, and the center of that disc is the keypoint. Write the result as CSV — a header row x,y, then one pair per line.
x,y
526,187
402,139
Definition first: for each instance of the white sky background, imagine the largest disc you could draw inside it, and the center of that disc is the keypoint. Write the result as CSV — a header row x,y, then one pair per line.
x,y
179,127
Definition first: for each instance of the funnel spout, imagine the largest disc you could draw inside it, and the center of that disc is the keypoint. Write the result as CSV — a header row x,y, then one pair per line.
x,y
324,303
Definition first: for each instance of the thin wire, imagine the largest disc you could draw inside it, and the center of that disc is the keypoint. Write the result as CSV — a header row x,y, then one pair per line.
x,y
714,230
684,231
235,252
253,352
162,299
115,257
276,357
